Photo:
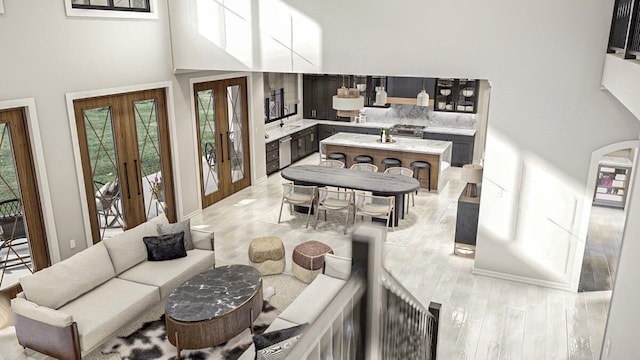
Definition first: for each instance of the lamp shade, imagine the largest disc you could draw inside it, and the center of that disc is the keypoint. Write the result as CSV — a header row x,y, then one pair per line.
x,y
343,103
423,98
471,173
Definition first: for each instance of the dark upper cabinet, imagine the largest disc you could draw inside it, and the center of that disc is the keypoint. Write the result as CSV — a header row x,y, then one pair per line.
x,y
456,95
317,96
409,87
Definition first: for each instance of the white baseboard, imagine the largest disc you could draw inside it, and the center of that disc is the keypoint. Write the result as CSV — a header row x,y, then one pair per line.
x,y
261,180
522,279
192,214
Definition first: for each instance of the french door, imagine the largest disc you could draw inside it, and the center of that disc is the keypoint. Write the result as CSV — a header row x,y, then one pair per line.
x,y
223,136
23,242
126,159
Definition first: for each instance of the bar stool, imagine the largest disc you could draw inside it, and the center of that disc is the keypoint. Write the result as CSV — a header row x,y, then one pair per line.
x,y
363,159
391,162
338,156
417,165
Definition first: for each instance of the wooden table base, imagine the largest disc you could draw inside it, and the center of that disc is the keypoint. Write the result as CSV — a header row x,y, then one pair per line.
x,y
212,332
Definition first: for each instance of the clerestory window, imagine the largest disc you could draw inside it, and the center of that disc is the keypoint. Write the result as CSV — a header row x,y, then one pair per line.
x,y
131,9
117,5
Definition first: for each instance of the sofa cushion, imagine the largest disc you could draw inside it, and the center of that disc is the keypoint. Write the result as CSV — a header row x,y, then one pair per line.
x,y
319,293
127,249
184,226
109,307
165,247
167,275
62,282
337,266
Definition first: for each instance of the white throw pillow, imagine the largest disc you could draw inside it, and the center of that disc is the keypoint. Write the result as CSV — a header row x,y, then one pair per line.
x,y
184,226
336,266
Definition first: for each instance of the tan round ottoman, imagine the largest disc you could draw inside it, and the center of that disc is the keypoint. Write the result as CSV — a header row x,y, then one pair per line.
x,y
266,254
308,259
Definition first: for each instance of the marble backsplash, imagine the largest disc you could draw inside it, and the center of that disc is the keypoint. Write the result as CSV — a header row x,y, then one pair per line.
x,y
418,115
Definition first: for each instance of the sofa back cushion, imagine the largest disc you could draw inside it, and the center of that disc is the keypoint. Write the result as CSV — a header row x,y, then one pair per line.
x,y
127,249
62,282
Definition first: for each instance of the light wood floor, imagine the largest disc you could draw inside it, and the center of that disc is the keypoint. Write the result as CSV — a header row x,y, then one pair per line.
x,y
482,317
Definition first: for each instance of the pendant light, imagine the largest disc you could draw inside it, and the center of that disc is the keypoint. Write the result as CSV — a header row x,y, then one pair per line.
x,y
423,97
348,101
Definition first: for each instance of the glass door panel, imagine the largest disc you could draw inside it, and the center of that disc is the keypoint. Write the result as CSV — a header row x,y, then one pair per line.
x,y
235,133
15,252
98,126
126,160
153,189
207,119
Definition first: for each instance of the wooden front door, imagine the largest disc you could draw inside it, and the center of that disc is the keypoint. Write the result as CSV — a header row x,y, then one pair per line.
x,y
126,159
223,136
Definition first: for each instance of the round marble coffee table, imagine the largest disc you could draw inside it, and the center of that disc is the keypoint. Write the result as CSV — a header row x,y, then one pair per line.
x,y
213,307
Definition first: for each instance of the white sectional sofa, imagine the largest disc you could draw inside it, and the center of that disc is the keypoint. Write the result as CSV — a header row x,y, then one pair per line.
x,y
312,300
70,308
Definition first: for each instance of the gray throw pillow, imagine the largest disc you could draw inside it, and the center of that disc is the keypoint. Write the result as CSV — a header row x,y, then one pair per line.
x,y
184,226
165,247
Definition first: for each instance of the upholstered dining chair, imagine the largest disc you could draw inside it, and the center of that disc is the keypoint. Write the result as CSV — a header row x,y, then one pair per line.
x,y
375,206
332,163
399,170
334,200
364,167
298,195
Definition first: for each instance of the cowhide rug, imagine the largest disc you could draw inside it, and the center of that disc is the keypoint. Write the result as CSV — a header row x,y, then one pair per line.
x,y
150,341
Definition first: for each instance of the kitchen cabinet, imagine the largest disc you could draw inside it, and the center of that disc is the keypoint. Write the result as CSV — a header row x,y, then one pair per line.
x,y
613,182
324,130
409,87
466,224
456,95
317,96
272,157
303,143
462,149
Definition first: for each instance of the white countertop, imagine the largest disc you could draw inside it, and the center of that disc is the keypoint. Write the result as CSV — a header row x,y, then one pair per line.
x,y
404,144
280,132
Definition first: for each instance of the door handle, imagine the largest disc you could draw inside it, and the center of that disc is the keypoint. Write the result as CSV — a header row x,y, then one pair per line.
x,y
228,147
135,166
126,176
221,149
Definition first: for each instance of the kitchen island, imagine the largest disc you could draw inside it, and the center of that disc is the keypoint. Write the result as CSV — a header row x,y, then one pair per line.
x,y
407,150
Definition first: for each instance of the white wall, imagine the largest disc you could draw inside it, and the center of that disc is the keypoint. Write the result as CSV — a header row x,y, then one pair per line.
x,y
622,78
46,55
623,309
544,61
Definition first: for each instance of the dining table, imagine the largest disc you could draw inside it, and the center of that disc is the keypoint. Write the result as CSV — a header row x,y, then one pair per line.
x,y
378,183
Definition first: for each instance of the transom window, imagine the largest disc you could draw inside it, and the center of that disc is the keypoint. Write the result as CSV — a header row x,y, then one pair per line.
x,y
118,5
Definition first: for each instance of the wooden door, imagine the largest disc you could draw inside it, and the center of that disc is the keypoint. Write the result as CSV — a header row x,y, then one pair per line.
x,y
126,160
23,241
223,135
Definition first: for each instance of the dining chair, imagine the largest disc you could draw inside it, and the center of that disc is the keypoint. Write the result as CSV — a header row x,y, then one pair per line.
x,y
375,206
332,163
364,167
334,200
298,195
399,170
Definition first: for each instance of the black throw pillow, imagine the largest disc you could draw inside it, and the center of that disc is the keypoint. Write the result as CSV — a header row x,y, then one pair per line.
x,y
165,247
